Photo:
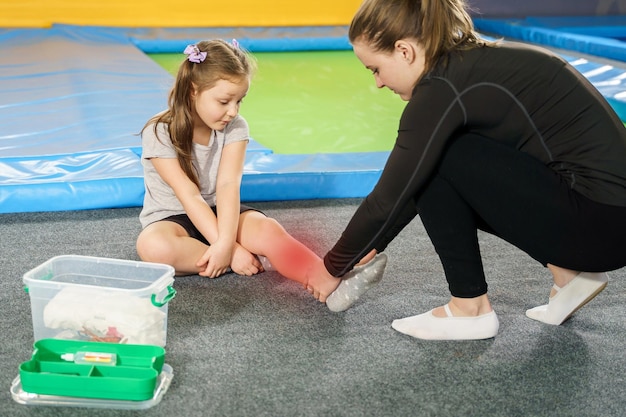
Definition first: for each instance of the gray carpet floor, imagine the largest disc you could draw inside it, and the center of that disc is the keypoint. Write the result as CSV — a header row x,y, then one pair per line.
x,y
262,346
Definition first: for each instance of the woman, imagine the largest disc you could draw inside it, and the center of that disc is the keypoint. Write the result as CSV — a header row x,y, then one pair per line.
x,y
500,137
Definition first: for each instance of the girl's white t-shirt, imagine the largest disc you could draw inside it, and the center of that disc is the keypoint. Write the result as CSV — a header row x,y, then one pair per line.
x,y
159,200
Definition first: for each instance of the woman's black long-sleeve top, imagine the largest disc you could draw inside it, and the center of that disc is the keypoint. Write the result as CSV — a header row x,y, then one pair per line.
x,y
521,95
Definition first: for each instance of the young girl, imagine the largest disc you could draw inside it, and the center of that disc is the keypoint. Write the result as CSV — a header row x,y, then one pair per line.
x,y
193,157
504,137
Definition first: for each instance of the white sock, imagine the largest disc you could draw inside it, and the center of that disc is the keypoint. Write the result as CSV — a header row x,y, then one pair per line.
x,y
356,282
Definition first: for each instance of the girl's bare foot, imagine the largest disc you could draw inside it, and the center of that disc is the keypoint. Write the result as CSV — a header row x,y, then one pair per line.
x,y
321,285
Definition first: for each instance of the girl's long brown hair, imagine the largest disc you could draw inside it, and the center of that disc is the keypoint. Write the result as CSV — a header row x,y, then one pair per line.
x,y
224,61
440,26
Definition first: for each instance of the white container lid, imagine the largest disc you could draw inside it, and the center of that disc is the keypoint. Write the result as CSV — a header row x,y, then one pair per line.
x,y
133,277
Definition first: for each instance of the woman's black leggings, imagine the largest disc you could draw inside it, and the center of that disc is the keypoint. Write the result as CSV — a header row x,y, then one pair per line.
x,y
482,184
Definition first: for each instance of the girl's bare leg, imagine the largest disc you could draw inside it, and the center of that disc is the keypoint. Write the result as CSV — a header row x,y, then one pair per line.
x,y
167,242
292,259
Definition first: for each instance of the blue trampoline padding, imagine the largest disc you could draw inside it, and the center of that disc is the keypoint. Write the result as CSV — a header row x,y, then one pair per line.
x,y
89,180
594,35
255,39
270,177
72,100
71,89
115,179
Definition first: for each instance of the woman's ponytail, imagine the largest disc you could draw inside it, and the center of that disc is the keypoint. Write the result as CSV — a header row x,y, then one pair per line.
x,y
440,26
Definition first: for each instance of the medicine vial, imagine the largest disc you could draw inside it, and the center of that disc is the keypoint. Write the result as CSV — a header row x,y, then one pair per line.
x,y
91,358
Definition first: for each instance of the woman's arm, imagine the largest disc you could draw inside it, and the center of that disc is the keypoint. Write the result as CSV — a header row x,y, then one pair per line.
x,y
430,119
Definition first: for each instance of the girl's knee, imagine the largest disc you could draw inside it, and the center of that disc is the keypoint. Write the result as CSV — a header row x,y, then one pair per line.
x,y
261,224
271,227
152,248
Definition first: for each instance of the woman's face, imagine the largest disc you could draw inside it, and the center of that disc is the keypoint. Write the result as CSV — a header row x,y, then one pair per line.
x,y
398,70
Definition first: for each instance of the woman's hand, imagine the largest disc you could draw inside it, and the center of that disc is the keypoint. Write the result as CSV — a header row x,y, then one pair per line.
x,y
367,258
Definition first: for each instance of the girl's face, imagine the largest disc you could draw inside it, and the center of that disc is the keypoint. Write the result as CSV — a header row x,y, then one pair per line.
x,y
217,106
398,70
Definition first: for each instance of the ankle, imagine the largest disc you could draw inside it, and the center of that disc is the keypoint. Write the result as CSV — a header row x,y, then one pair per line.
x,y
318,276
470,307
561,276
466,307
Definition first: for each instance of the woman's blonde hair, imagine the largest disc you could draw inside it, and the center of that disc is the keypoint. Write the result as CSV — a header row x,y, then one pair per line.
x,y
224,61
439,26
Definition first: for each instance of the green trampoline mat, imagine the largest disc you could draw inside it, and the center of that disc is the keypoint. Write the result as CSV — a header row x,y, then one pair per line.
x,y
315,102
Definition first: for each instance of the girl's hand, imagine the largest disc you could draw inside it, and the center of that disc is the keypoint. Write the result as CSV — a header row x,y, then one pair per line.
x,y
244,262
215,261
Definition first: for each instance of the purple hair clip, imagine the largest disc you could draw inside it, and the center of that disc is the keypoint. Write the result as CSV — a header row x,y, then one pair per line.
x,y
235,43
194,54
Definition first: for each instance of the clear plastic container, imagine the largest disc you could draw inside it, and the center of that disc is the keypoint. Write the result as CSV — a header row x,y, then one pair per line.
x,y
100,299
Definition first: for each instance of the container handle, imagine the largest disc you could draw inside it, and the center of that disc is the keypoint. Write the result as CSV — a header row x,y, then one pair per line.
x,y
171,292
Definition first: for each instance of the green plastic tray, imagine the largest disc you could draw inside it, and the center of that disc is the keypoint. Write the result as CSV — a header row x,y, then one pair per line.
x,y
133,377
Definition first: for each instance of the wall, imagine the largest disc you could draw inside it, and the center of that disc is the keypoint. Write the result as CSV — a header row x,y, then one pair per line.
x,y
517,8
225,13
177,13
